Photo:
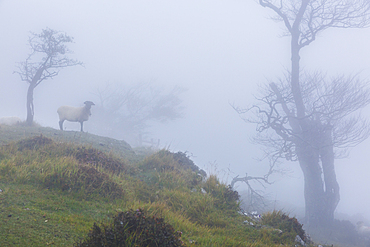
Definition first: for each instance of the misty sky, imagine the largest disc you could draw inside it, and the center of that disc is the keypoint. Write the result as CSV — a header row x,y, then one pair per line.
x,y
219,50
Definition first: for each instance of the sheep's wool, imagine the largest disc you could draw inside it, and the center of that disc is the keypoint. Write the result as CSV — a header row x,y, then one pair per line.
x,y
10,120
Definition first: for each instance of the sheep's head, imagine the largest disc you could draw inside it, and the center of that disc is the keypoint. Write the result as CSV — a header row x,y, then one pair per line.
x,y
88,106
89,103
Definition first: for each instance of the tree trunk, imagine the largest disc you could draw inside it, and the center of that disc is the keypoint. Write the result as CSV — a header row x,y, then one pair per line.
x,y
314,151
332,196
309,160
321,190
35,81
295,84
30,109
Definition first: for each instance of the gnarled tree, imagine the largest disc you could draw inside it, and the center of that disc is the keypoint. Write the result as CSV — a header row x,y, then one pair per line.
x,y
309,116
331,125
46,59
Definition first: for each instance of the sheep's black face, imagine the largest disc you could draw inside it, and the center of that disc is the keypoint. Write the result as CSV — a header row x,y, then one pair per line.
x,y
89,103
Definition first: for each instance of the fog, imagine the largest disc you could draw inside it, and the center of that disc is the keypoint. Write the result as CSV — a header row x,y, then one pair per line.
x,y
218,50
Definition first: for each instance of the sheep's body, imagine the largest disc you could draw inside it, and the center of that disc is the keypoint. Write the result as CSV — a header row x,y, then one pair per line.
x,y
10,120
74,114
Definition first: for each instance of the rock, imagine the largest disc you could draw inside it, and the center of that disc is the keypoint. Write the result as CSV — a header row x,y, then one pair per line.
x,y
278,230
273,229
299,240
254,215
241,212
248,222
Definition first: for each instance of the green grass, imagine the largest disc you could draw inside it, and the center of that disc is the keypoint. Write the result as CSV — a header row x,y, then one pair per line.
x,y
41,217
55,191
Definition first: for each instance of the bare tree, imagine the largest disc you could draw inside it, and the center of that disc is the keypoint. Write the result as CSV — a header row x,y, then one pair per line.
x,y
127,112
310,117
254,200
331,127
46,59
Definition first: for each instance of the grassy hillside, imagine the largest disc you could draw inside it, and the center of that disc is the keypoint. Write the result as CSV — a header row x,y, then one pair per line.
x,y
119,148
55,185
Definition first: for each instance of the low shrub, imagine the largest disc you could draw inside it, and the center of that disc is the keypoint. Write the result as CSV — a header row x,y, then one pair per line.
x,y
165,160
186,163
133,228
167,170
226,197
289,226
35,142
97,158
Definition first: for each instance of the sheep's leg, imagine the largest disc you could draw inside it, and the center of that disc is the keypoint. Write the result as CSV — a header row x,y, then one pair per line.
x,y
61,124
82,126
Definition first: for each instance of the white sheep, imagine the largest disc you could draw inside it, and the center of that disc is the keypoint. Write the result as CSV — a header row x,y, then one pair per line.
x,y
75,114
10,120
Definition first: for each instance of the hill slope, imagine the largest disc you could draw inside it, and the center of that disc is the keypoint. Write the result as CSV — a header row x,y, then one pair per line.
x,y
120,148
55,185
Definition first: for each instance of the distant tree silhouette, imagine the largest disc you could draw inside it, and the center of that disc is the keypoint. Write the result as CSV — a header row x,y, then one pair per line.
x,y
127,112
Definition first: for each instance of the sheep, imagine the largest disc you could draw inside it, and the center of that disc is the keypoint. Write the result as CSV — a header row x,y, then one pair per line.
x,y
74,114
10,120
